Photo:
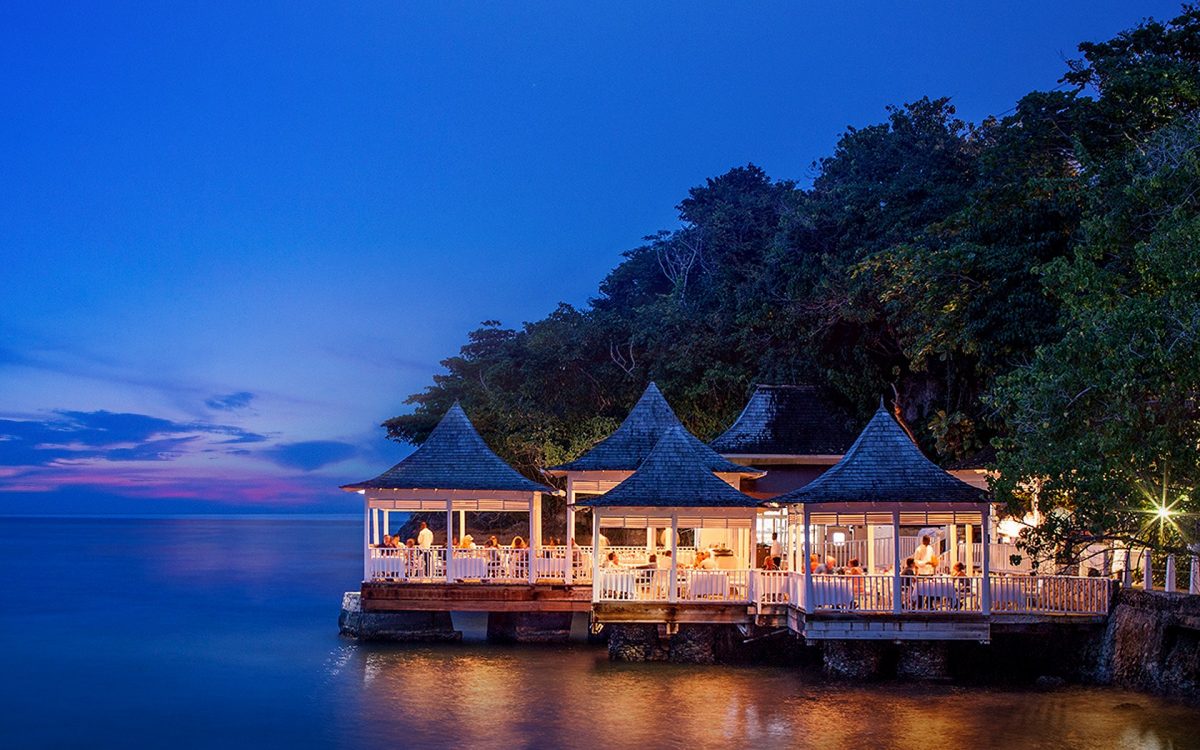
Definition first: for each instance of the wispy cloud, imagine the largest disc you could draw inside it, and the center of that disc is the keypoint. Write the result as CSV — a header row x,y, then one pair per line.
x,y
310,455
230,401
106,436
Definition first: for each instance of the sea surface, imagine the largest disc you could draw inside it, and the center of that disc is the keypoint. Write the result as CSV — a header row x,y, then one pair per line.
x,y
222,633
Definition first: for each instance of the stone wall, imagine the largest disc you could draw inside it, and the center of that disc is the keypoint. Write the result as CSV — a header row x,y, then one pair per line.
x,y
393,626
529,627
1152,643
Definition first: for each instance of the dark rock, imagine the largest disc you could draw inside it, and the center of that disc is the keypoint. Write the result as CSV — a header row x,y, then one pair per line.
x,y
1153,643
923,660
393,626
853,660
1049,682
529,627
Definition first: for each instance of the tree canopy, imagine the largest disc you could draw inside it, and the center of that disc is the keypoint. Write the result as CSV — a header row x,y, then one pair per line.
x,y
1027,284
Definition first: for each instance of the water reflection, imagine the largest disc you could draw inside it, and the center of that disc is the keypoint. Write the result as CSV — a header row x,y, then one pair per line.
x,y
222,633
572,697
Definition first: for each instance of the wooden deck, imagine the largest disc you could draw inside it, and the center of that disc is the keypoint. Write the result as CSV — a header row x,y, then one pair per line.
x,y
474,597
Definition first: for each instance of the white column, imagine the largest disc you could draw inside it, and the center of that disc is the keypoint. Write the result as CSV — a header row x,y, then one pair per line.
x,y
535,534
969,548
570,540
375,534
595,553
1194,578
870,549
367,538
1170,573
985,589
1127,571
897,591
449,540
1147,572
651,542
462,523
953,544
808,583
673,584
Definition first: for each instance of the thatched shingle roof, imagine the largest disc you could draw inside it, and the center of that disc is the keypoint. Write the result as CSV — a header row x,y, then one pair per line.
x,y
787,420
625,449
675,474
453,457
884,466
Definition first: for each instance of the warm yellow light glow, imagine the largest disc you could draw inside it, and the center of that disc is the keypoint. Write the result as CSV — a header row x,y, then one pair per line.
x,y
1163,512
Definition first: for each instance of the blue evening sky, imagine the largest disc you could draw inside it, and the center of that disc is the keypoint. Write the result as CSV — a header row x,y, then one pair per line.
x,y
234,236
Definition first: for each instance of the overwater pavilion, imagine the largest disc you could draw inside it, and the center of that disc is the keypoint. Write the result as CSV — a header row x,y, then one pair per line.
x,y
673,488
453,470
885,481
616,457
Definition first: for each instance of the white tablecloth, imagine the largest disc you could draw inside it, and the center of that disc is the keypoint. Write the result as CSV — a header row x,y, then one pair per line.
x,y
469,567
708,583
617,584
935,590
552,567
833,593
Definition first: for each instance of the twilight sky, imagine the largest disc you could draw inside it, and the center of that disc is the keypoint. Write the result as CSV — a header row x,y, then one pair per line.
x,y
234,238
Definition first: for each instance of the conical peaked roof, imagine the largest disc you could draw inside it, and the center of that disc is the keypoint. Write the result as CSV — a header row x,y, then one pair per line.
x,y
884,466
625,449
675,474
453,457
790,420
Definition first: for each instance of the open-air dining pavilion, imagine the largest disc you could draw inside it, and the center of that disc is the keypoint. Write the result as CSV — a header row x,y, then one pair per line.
x,y
885,484
616,457
675,488
454,471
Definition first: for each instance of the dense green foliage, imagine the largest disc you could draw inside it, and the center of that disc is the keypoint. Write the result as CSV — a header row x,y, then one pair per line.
x,y
1029,282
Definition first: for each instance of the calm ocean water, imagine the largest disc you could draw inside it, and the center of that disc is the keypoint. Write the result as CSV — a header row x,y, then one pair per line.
x,y
223,633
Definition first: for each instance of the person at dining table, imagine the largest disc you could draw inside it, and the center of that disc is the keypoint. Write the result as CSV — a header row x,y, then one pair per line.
x,y
925,557
518,543
387,541
410,543
698,560
959,570
769,563
709,562
611,561
829,567
814,562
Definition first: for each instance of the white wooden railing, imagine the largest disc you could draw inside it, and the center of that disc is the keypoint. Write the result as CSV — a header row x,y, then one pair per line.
x,y
693,586
1065,595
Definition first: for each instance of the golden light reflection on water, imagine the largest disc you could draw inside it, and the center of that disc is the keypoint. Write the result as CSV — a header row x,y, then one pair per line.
x,y
574,697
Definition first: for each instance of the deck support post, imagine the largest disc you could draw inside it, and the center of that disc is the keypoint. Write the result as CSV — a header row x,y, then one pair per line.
x,y
673,588
570,539
897,590
1194,577
462,523
449,540
985,588
535,534
366,538
1147,571
375,530
808,566
870,549
595,554
1127,568
1170,579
